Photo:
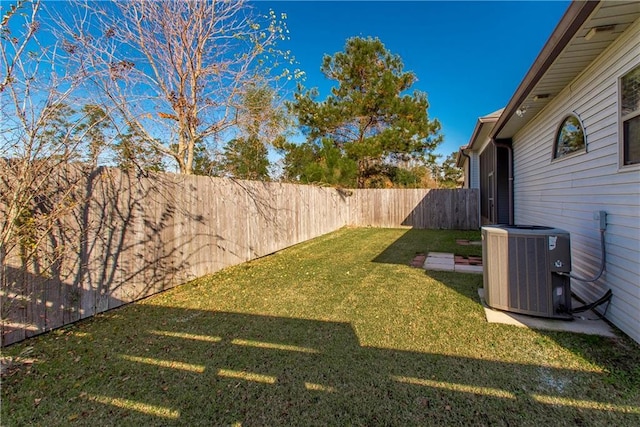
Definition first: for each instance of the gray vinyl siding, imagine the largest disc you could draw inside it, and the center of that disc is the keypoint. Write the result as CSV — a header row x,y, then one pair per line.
x,y
565,192
475,170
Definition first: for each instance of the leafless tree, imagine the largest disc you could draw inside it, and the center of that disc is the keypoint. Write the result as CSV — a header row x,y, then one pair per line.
x,y
46,130
175,71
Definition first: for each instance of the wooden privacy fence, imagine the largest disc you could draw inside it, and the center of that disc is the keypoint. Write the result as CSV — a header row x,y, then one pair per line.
x,y
132,237
419,208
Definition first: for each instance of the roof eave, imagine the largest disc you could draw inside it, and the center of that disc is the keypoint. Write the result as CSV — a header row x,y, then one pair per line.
x,y
482,121
572,20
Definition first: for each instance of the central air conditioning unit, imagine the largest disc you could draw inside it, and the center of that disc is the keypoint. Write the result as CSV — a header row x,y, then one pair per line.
x,y
526,270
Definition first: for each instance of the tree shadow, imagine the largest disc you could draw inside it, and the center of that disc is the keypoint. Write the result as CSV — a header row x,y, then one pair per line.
x,y
196,367
118,241
124,236
39,303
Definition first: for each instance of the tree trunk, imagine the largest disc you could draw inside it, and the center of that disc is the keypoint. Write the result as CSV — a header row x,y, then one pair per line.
x,y
362,168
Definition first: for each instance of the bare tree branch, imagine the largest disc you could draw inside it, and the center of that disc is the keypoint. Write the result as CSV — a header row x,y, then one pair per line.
x,y
42,133
176,71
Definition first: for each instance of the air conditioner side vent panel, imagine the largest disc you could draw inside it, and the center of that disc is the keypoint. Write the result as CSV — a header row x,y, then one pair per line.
x,y
521,270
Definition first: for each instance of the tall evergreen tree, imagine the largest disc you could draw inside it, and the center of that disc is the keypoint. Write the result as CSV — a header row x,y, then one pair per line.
x,y
246,158
369,115
451,174
311,163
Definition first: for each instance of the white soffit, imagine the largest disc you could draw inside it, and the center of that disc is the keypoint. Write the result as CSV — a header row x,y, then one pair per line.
x,y
606,23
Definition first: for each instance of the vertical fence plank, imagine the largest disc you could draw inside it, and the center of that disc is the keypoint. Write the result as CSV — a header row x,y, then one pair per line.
x,y
136,235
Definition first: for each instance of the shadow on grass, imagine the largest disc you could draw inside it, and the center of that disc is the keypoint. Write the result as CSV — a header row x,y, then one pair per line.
x,y
414,241
191,367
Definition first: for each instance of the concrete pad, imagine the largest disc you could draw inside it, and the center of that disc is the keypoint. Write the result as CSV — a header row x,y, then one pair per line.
x,y
438,267
578,325
461,268
439,261
440,255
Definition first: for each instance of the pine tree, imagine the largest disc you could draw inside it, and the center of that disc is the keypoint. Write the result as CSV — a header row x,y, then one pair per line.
x,y
369,115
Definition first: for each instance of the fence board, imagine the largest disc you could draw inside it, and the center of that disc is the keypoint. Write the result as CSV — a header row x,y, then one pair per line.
x,y
418,208
134,236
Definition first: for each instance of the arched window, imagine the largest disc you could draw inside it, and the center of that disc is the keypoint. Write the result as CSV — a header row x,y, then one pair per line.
x,y
570,137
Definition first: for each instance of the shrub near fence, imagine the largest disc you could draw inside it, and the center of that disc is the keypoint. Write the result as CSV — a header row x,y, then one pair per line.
x,y
132,237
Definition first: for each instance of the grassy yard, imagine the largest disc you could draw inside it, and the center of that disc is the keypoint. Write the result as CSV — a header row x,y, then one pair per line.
x,y
335,331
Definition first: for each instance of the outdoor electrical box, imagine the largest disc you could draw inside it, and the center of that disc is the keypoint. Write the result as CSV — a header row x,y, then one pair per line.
x,y
526,270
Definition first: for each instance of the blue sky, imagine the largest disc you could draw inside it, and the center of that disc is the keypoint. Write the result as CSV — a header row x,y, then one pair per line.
x,y
469,57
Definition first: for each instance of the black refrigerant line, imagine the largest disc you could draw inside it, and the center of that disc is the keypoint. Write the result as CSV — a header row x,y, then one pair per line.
x,y
603,262
607,296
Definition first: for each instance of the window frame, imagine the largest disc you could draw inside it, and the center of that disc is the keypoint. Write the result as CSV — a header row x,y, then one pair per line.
x,y
622,120
559,128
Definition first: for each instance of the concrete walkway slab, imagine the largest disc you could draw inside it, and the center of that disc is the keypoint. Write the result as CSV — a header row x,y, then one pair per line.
x,y
461,268
583,325
439,261
441,255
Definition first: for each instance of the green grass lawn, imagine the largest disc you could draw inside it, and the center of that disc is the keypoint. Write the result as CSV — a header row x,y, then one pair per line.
x,y
336,331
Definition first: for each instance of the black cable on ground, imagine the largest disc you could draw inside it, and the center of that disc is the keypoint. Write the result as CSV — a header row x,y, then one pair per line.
x,y
605,298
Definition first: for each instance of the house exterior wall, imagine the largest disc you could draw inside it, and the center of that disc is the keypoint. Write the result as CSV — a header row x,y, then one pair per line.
x,y
475,170
466,174
487,184
565,192
471,168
